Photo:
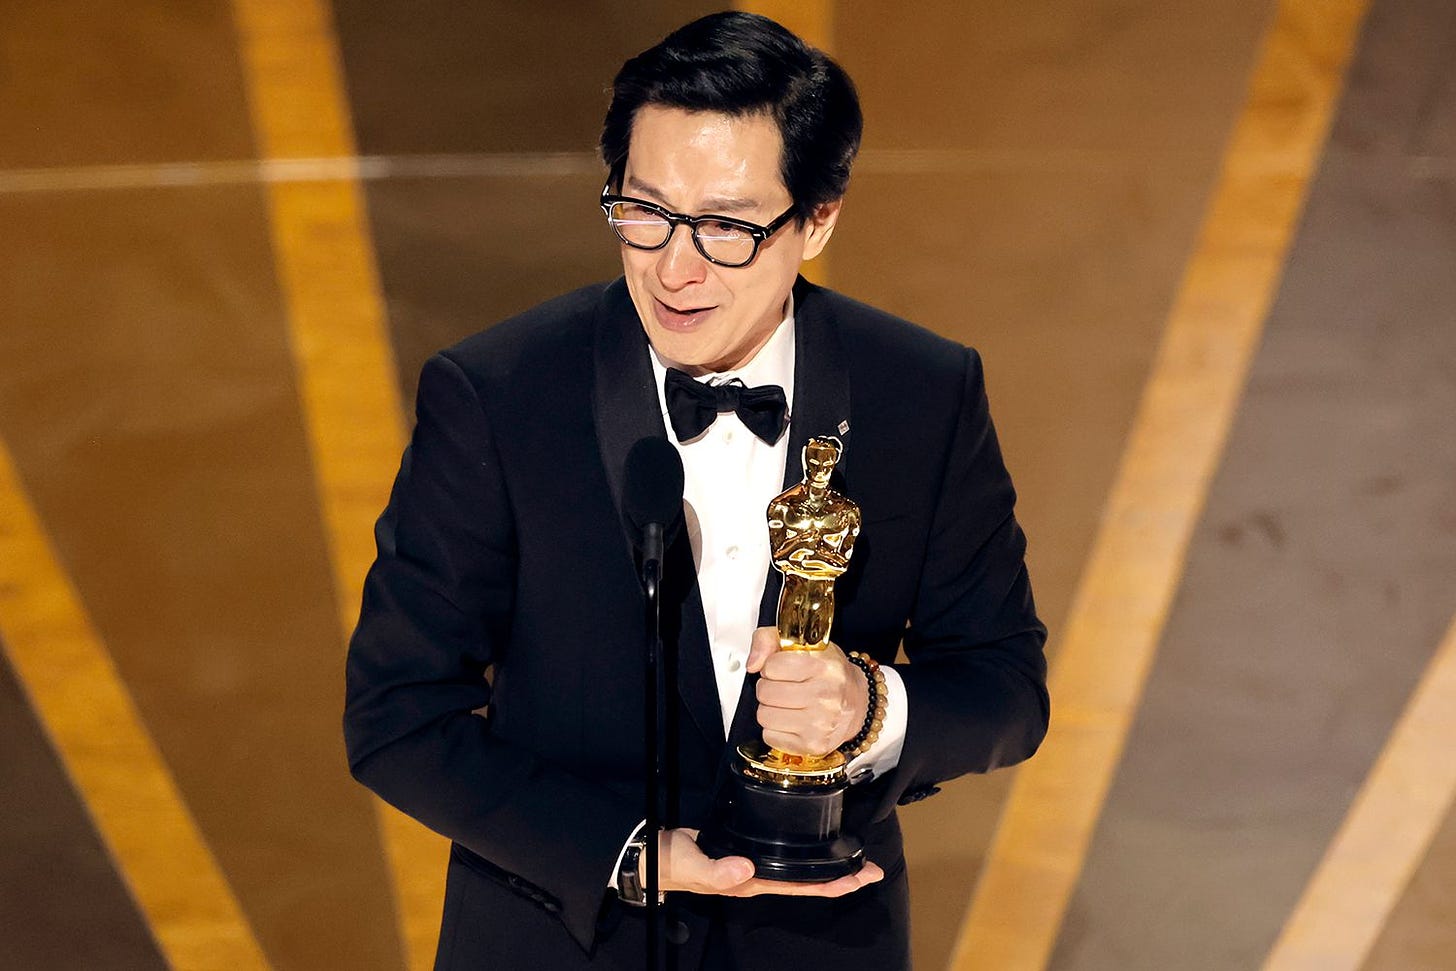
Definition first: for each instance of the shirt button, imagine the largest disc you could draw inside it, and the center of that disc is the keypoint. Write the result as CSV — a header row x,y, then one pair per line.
x,y
727,434
734,665
732,552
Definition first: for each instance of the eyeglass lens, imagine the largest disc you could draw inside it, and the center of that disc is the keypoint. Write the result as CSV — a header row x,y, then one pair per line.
x,y
642,227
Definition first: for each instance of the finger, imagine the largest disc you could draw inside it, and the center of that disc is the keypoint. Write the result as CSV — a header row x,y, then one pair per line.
x,y
794,666
790,721
814,743
781,694
870,873
765,644
790,742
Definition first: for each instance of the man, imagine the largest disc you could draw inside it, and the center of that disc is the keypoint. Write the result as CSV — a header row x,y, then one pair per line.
x,y
494,681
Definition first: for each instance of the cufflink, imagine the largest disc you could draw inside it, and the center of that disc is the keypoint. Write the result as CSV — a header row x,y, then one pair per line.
x,y
915,795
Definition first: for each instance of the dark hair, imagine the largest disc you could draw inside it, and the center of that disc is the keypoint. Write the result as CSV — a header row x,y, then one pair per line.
x,y
743,64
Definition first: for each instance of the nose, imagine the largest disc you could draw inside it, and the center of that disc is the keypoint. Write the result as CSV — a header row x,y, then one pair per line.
x,y
679,264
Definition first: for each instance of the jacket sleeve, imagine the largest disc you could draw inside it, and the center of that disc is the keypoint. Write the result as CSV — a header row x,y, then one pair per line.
x,y
976,681
436,613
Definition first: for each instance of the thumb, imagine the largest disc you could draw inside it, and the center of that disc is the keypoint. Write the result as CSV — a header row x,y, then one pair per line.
x,y
690,868
729,872
765,645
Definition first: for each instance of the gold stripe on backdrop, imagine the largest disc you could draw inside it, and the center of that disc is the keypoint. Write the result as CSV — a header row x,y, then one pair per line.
x,y
344,360
1387,832
1122,601
91,720
245,171
813,21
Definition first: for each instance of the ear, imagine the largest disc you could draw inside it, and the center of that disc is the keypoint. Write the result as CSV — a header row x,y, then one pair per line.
x,y
820,227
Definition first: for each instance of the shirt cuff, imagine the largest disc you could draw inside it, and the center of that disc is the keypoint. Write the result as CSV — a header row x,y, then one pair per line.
x,y
617,867
884,755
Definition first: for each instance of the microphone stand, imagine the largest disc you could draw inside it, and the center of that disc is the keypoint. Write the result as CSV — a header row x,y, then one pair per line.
x,y
651,581
654,489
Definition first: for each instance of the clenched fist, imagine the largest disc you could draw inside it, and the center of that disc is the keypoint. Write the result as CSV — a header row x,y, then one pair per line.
x,y
809,702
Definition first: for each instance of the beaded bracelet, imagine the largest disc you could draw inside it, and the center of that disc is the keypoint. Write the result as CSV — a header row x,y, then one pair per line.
x,y
874,720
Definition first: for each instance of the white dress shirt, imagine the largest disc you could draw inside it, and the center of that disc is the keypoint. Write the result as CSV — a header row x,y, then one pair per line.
x,y
730,476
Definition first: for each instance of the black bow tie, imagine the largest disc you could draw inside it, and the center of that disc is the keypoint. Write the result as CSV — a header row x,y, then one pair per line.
x,y
693,406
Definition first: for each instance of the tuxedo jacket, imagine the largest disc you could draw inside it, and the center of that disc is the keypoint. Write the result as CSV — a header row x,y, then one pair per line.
x,y
495,685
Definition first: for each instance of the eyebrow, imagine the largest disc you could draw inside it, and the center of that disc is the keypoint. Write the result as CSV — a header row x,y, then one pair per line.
x,y
721,205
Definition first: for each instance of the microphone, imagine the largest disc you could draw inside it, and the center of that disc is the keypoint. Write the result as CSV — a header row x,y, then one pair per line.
x,y
652,497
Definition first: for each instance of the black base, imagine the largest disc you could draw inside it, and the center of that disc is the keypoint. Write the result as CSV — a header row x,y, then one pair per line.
x,y
791,833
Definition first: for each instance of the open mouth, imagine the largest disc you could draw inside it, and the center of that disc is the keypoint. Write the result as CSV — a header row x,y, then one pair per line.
x,y
675,318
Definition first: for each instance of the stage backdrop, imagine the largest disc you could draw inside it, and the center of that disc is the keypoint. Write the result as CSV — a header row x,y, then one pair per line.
x,y
1205,247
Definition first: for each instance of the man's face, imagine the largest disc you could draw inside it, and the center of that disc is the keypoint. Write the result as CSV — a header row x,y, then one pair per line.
x,y
699,314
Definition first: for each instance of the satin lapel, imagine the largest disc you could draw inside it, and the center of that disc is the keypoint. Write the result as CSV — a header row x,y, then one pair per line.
x,y
821,382
626,409
820,407
683,624
624,402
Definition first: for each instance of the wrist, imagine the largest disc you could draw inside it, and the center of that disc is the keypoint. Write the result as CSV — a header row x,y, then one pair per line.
x,y
632,874
867,732
858,701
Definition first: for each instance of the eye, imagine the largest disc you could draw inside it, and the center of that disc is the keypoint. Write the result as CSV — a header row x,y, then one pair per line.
x,y
713,229
628,212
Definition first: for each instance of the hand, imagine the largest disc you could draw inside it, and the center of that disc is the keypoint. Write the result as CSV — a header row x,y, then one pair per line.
x,y
809,702
682,866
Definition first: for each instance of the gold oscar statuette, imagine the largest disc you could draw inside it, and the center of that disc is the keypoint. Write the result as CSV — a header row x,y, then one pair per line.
x,y
782,810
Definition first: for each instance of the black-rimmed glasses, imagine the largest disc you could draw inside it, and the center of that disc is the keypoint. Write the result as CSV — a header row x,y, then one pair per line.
x,y
721,239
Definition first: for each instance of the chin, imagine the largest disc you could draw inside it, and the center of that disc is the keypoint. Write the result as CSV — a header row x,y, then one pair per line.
x,y
687,353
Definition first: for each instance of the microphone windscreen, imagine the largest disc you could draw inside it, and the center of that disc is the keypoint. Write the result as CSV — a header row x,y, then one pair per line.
x,y
652,491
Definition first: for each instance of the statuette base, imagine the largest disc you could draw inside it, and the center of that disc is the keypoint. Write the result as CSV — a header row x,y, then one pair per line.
x,y
786,823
